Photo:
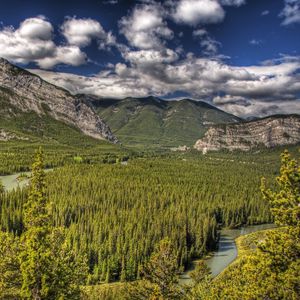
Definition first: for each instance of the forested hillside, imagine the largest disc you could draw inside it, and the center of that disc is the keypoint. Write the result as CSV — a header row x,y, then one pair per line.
x,y
155,123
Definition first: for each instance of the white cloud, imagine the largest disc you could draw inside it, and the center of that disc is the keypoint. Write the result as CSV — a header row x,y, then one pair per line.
x,y
209,44
290,12
36,28
246,108
200,32
33,42
193,12
111,2
251,90
233,2
265,13
69,55
80,32
145,27
255,42
150,57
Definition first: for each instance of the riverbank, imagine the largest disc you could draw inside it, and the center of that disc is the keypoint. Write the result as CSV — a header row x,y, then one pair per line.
x,y
246,245
226,253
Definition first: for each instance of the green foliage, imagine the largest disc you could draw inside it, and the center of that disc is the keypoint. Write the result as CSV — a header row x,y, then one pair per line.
x,y
272,271
39,264
285,202
150,122
116,213
10,279
160,279
112,291
201,273
1,187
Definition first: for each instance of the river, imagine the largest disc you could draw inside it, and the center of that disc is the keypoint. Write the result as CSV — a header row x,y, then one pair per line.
x,y
226,253
11,182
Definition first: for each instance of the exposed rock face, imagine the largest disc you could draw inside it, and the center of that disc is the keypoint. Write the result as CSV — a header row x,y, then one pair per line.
x,y
34,94
269,132
7,136
183,148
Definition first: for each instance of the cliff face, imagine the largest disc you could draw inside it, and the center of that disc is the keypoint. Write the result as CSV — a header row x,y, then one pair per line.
x,y
29,92
269,132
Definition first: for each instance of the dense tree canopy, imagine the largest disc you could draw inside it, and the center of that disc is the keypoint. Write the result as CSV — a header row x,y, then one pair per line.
x,y
116,213
39,264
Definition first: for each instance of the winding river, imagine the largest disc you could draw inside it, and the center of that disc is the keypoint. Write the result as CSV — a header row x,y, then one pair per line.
x,y
227,251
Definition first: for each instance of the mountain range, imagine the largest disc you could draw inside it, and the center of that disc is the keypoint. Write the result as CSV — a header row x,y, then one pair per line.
x,y
31,108
155,122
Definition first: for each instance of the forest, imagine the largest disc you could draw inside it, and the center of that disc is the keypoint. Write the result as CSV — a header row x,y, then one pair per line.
x,y
114,214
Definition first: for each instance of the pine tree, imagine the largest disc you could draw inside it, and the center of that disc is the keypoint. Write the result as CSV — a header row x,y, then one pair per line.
x,y
201,273
49,268
160,276
36,258
2,189
10,279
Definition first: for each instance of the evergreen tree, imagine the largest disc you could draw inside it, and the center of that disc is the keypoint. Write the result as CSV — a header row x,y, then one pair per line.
x,y
36,259
201,273
273,270
160,276
10,279
2,190
39,264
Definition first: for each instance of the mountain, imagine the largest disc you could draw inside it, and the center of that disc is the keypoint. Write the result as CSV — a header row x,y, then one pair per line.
x,y
269,132
29,105
158,123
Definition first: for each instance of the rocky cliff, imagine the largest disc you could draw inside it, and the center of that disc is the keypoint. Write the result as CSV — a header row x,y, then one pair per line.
x,y
269,132
28,92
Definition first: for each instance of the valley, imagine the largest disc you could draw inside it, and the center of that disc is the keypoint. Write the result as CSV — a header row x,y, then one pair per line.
x,y
118,192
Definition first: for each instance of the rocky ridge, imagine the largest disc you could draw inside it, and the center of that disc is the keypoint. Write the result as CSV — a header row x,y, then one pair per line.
x,y
31,93
268,132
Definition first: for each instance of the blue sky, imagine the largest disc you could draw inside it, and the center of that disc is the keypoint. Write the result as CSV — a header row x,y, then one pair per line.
x,y
241,55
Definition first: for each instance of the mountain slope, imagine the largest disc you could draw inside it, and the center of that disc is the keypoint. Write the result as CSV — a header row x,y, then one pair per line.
x,y
269,132
24,95
154,122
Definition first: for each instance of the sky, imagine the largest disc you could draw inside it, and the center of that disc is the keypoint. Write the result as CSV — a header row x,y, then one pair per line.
x,y
242,56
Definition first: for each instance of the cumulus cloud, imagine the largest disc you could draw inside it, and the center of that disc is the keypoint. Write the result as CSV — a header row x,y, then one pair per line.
x,y
251,90
290,12
80,32
193,12
145,27
33,42
69,55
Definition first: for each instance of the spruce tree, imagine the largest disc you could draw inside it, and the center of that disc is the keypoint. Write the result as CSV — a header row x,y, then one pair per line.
x,y
160,276
36,258
49,268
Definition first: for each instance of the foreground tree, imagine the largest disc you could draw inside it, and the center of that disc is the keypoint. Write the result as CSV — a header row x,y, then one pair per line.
x,y
273,271
159,276
39,264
